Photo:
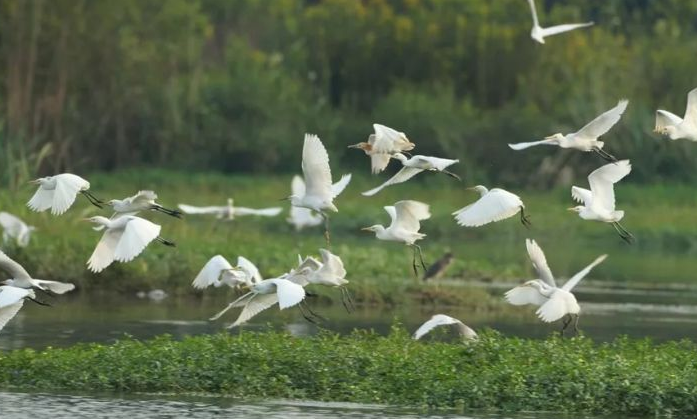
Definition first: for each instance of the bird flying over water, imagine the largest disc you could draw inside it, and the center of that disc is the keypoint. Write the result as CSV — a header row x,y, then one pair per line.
x,y
218,271
442,320
20,278
538,33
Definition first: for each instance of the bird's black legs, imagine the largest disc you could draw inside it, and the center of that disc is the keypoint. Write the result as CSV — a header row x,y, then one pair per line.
x,y
41,303
310,315
451,174
417,250
624,234
605,155
173,213
576,323
346,300
524,219
567,320
93,200
327,238
165,242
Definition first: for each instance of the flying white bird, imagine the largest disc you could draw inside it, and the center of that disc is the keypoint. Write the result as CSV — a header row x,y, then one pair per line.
x,y
675,127
493,205
539,33
142,201
412,167
59,192
301,217
330,272
229,211
405,226
218,271
12,300
599,202
443,320
554,303
124,238
382,145
20,278
585,139
14,228
319,191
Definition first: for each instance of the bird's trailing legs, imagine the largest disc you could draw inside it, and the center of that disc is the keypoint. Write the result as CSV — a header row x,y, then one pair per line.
x,y
166,242
173,213
524,219
451,174
93,200
346,300
310,315
417,249
623,232
41,303
326,230
576,323
565,325
605,155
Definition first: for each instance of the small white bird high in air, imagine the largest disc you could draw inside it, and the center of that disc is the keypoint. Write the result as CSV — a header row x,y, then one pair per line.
x,y
554,302
229,211
382,145
405,225
218,271
124,238
59,192
539,33
13,228
20,278
599,202
585,139
493,205
301,217
12,300
412,167
142,201
675,127
442,320
319,191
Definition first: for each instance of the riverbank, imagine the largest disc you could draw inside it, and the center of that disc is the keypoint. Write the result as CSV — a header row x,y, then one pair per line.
x,y
633,377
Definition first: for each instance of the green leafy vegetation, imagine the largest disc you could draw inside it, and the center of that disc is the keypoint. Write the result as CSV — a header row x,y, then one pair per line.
x,y
576,375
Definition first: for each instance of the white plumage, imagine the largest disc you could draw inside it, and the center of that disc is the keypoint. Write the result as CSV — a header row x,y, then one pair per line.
x,y
229,211
443,320
412,167
301,217
382,145
11,301
539,33
20,278
141,201
675,127
58,193
493,205
218,271
15,229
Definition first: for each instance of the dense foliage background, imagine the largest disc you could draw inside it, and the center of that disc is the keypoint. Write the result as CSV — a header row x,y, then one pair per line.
x,y
232,85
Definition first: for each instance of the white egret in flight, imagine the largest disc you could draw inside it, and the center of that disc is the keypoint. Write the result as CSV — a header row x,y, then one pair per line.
x,y
493,205
319,191
412,167
229,211
59,192
20,278
406,217
142,201
539,33
585,139
442,320
301,217
675,127
554,302
218,271
13,228
12,300
599,202
124,238
382,145
330,272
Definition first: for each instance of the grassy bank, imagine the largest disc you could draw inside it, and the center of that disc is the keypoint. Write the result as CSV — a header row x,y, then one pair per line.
x,y
378,271
627,376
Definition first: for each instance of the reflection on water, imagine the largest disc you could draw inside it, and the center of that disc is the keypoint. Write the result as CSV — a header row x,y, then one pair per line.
x,y
661,314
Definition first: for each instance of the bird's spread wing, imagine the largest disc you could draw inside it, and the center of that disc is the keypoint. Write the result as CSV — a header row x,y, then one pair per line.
x,y
13,268
339,186
408,214
297,186
11,295
332,263
210,273
581,195
251,269
289,293
190,209
403,175
554,30
665,119
604,122
379,161
691,109
602,182
318,175
240,302
65,193
433,322
388,140
103,254
539,262
309,263
523,146
143,196
523,295
255,306
138,233
553,310
571,283
42,199
8,312
10,222
55,286
266,212
495,205
437,163
535,22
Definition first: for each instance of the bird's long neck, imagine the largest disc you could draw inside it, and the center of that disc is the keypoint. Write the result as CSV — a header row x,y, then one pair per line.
x,y
399,156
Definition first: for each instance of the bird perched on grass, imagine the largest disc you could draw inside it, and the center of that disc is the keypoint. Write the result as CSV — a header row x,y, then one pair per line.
x,y
412,167
142,201
124,238
442,320
218,271
381,145
319,191
675,127
554,302
230,211
405,225
538,33
437,269
58,193
493,205
301,217
20,278
585,139
13,228
599,201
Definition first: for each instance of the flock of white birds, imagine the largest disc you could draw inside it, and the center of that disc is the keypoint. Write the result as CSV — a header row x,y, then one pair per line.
x,y
125,235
